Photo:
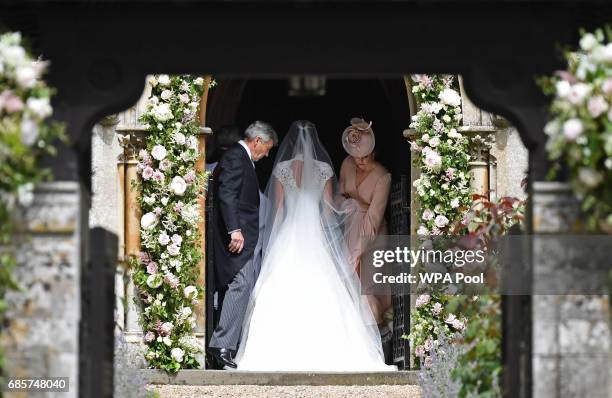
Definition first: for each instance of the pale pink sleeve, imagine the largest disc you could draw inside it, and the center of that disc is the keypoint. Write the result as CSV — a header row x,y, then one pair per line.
x,y
373,219
343,176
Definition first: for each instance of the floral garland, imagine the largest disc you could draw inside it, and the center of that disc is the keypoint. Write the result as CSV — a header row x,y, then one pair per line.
x,y
443,189
580,131
25,135
167,271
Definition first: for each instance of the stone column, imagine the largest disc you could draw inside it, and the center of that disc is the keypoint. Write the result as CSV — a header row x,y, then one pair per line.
x,y
200,308
571,334
131,142
481,141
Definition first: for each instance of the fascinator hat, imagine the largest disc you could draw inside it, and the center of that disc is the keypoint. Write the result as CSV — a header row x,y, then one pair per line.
x,y
358,138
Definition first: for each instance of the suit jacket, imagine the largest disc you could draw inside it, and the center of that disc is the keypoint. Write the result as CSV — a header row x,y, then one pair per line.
x,y
236,206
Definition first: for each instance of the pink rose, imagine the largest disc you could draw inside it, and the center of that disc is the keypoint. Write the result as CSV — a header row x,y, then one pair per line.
x,y
152,268
178,207
149,337
171,280
174,249
190,177
177,239
10,102
158,176
441,221
165,165
147,173
157,211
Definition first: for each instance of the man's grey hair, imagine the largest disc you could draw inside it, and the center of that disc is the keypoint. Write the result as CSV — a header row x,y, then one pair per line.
x,y
262,130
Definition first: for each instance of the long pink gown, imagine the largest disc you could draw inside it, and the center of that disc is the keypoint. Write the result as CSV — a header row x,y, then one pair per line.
x,y
372,194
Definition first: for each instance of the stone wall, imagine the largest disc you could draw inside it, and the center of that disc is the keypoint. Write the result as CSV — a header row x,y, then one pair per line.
x,y
571,334
41,338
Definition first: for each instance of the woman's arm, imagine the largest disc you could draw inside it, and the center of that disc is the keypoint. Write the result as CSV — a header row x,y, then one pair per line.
x,y
376,211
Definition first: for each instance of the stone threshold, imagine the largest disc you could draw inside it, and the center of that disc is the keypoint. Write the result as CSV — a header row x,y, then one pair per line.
x,y
233,377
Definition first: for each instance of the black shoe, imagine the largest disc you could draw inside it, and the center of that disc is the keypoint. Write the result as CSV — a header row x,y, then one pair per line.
x,y
222,356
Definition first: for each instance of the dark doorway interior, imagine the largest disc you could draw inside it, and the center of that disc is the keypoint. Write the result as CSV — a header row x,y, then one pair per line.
x,y
383,101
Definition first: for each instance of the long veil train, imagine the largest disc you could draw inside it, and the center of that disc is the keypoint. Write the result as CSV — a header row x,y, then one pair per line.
x,y
306,312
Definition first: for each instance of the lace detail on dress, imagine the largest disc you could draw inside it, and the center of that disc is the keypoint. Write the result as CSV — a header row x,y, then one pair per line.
x,y
284,173
325,172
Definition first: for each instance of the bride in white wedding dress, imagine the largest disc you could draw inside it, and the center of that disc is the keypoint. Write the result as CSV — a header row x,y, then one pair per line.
x,y
306,312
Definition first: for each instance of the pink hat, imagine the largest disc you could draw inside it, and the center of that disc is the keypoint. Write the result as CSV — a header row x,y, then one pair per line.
x,y
358,138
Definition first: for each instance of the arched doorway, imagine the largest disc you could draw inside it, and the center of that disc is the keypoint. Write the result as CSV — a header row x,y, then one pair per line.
x,y
384,101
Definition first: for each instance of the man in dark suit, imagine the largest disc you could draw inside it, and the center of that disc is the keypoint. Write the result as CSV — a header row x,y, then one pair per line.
x,y
235,234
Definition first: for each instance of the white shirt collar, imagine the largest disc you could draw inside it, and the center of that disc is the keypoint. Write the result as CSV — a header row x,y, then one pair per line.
x,y
246,147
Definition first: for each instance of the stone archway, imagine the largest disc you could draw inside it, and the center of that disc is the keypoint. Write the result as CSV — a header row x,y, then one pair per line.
x,y
99,69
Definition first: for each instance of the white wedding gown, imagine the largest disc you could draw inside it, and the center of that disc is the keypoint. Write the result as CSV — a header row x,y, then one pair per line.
x,y
304,314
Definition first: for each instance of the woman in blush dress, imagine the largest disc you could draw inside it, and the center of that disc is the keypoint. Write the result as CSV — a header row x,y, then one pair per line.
x,y
366,181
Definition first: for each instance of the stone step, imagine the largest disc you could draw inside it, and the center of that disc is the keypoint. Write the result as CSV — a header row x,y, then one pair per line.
x,y
233,377
249,391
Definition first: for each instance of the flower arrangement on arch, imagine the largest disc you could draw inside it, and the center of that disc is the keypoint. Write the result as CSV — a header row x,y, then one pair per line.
x,y
441,154
580,130
26,134
170,187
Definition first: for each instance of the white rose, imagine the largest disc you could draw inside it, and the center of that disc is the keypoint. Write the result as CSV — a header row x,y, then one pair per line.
x,y
588,42
25,194
159,152
167,341
199,81
193,142
26,76
441,221
178,185
425,137
422,231
563,88
190,292
179,138
185,312
163,239
13,55
590,178
148,221
174,250
177,354
434,142
166,95
603,54
433,160
597,105
154,281
454,134
29,131
162,112
164,200
578,93
427,214
154,100
39,107
163,80
572,129
177,239
450,97
149,200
